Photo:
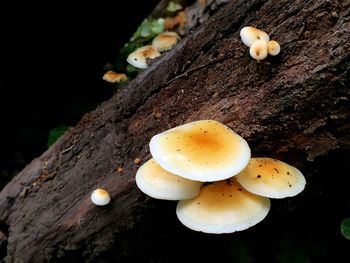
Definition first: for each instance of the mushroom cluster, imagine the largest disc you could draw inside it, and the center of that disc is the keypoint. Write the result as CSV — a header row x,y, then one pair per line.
x,y
259,43
160,43
208,168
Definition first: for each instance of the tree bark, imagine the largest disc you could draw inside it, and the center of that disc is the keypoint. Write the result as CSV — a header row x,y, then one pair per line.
x,y
294,107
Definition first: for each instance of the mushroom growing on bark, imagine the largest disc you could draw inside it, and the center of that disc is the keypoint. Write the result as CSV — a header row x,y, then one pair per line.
x,y
139,57
203,151
251,34
165,41
158,183
223,207
271,178
100,197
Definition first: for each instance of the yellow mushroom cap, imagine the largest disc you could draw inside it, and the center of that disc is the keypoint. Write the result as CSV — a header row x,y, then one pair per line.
x,y
273,48
203,151
156,182
139,56
271,178
251,34
223,207
114,77
165,41
100,197
258,50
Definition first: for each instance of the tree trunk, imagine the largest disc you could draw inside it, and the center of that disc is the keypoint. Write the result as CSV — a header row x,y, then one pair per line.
x,y
294,107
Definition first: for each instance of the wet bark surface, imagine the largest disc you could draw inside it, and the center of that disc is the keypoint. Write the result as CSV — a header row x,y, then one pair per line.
x,y
294,107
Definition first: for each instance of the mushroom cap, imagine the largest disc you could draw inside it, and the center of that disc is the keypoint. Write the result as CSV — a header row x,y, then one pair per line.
x,y
165,41
222,207
158,183
114,77
139,56
258,50
273,48
100,197
251,34
271,178
203,151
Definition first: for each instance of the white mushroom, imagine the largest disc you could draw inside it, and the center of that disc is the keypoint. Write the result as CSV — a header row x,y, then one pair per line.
x,y
271,178
158,183
273,48
203,151
138,58
251,34
100,197
258,50
223,207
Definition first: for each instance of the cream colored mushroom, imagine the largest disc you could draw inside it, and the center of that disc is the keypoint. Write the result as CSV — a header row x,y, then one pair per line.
x,y
139,57
158,183
273,48
251,34
165,41
223,207
100,197
271,178
203,151
258,50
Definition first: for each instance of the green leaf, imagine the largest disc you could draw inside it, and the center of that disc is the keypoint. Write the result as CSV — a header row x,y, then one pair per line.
x,y
149,28
55,133
173,7
345,228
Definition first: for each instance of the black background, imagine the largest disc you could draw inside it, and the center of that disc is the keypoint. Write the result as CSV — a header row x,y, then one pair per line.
x,y
51,60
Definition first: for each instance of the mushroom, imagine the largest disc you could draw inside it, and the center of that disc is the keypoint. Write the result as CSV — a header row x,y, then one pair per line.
x,y
100,197
258,50
203,151
139,56
222,207
158,183
165,41
251,34
271,178
273,48
114,77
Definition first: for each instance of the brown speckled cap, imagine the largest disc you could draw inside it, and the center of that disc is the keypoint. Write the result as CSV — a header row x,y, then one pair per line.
x,y
271,178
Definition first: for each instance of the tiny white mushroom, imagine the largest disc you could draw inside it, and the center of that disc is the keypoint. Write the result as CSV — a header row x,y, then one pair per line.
x,y
251,34
258,50
273,47
138,58
100,197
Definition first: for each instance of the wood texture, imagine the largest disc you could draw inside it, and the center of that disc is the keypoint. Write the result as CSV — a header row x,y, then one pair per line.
x,y
294,107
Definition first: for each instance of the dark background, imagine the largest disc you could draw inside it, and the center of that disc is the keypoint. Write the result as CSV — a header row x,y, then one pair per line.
x,y
51,61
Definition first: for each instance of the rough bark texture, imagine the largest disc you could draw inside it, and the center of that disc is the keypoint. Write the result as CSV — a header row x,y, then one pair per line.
x,y
293,107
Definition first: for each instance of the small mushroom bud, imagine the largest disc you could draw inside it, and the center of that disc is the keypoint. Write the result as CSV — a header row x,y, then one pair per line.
x,y
114,77
251,34
100,197
258,50
273,48
139,56
165,41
